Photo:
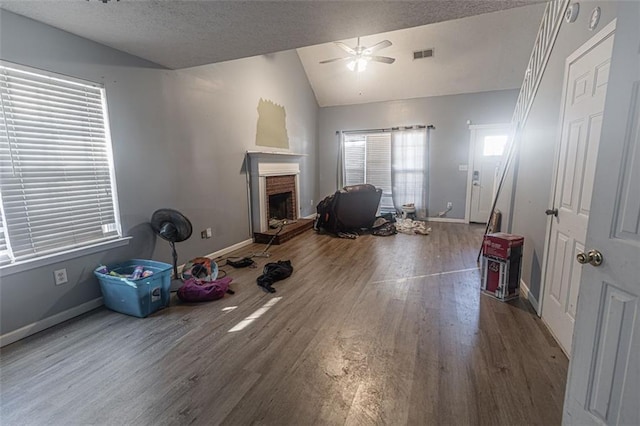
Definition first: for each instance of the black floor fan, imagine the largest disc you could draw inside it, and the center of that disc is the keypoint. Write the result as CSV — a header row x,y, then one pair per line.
x,y
174,227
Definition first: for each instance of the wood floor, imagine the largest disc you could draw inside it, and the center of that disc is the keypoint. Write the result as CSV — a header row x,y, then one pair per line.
x,y
377,330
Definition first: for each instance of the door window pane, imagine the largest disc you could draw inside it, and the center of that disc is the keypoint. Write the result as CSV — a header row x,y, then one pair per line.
x,y
494,145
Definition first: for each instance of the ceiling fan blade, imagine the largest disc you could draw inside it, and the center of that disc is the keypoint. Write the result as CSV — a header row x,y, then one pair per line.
x,y
385,59
377,46
326,61
344,47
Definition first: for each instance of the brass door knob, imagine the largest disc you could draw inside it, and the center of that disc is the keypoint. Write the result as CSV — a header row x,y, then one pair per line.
x,y
594,257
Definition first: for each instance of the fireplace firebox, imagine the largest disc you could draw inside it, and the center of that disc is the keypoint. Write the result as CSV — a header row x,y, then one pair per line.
x,y
281,197
281,206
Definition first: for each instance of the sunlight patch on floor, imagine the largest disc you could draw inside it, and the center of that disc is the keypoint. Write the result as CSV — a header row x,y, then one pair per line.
x,y
255,315
437,274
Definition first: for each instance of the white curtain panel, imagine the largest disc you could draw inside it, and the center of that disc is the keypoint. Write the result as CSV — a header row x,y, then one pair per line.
x,y
340,181
409,169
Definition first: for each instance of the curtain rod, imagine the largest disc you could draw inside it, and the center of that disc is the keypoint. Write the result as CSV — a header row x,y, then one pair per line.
x,y
389,129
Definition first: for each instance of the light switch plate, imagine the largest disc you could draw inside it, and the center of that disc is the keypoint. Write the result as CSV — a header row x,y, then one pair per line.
x,y
463,167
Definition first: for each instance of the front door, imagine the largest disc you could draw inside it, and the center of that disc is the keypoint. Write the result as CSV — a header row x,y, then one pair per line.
x,y
585,88
604,372
488,143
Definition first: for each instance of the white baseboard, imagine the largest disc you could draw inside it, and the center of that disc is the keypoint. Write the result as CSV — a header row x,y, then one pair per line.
x,y
28,330
229,249
445,219
526,293
223,251
33,328
311,216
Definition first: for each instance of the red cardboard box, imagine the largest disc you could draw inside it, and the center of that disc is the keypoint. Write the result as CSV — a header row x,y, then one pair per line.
x,y
501,265
501,279
500,245
492,275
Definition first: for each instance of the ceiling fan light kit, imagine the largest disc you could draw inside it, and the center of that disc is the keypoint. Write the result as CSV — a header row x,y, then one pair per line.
x,y
360,56
358,65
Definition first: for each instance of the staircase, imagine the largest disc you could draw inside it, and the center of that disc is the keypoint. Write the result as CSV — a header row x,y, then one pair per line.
x,y
547,34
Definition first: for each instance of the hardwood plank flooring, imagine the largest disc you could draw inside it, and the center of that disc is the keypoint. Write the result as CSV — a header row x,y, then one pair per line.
x,y
377,330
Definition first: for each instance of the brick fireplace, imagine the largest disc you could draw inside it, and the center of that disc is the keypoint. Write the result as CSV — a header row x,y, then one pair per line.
x,y
274,188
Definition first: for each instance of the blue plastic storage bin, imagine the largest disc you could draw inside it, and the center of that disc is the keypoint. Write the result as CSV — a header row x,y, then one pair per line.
x,y
139,297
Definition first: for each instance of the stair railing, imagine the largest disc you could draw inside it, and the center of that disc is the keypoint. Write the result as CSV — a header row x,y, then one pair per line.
x,y
545,39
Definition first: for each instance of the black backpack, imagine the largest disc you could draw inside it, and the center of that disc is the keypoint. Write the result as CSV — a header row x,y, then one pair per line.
x,y
326,219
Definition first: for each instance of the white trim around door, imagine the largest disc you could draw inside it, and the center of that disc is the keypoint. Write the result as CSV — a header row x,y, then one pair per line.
x,y
582,101
473,134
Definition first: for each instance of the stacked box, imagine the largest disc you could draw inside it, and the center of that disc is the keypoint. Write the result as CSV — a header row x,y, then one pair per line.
x,y
501,265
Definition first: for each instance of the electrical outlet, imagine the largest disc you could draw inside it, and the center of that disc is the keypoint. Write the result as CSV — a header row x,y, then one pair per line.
x,y
209,233
60,276
311,203
449,205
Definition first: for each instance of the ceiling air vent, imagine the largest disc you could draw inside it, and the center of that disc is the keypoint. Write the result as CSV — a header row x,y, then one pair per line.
x,y
421,54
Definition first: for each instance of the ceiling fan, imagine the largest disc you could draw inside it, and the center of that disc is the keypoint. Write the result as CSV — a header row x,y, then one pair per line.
x,y
360,56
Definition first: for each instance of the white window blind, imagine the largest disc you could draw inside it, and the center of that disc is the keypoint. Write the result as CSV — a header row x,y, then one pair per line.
x,y
367,159
4,252
354,160
57,185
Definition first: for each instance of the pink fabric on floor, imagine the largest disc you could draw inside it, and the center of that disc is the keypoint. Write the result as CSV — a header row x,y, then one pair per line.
x,y
194,290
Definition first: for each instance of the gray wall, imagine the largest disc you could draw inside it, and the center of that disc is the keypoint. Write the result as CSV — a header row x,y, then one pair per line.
x,y
179,139
218,106
536,160
449,142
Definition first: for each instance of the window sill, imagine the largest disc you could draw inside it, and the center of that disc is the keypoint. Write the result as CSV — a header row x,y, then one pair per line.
x,y
62,256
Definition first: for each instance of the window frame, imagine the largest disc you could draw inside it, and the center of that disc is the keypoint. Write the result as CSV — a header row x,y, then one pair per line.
x,y
386,201
69,252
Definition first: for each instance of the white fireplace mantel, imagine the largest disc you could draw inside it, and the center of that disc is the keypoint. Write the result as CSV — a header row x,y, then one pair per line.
x,y
278,169
271,153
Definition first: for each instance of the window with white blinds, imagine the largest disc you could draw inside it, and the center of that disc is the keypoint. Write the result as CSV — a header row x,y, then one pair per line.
x,y
367,159
57,188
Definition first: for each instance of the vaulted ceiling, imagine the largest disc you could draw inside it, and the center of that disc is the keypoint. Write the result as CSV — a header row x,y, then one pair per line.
x,y
185,33
473,54
479,45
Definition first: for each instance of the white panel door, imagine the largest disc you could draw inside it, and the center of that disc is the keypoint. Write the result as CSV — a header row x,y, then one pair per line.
x,y
586,77
604,372
487,144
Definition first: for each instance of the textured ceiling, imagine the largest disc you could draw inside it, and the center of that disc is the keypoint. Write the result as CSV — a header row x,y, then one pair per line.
x,y
179,34
474,54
